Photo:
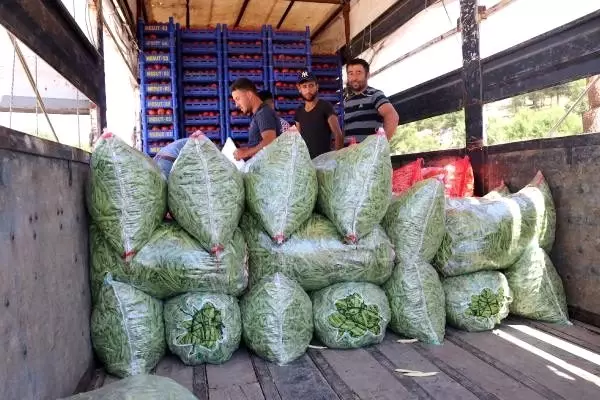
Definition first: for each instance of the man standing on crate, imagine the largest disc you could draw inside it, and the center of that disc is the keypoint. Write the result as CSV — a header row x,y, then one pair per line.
x,y
316,120
366,109
264,126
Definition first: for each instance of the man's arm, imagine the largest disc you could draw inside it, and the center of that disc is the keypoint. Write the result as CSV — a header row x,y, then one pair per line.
x,y
389,114
268,137
338,136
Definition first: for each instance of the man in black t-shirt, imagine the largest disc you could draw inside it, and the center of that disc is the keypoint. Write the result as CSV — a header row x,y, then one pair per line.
x,y
316,119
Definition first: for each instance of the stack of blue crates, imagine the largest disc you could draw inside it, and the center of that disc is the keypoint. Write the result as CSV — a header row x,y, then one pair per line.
x,y
289,54
244,56
158,76
328,70
202,74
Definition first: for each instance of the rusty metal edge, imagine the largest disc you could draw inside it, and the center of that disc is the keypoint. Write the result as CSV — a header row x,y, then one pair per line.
x,y
19,142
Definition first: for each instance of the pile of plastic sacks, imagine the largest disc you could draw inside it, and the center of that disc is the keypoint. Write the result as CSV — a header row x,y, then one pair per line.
x,y
292,249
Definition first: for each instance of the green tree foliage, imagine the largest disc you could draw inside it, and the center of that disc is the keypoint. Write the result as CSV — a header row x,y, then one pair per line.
x,y
528,116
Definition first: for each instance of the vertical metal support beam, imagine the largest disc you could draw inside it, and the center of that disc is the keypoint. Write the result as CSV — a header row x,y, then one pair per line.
x,y
102,95
473,91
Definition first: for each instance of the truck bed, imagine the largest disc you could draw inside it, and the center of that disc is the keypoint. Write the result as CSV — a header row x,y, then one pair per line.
x,y
519,360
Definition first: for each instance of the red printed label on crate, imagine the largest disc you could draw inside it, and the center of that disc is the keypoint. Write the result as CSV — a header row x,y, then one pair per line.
x,y
158,58
156,28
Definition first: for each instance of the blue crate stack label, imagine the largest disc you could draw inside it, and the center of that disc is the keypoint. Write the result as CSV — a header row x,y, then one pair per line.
x,y
328,70
245,54
202,80
289,54
158,77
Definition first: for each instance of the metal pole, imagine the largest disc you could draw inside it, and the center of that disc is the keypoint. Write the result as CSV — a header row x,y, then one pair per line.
x,y
552,131
31,81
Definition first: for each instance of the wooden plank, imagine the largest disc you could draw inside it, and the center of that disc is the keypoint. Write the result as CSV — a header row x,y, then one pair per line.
x,y
404,356
339,386
575,334
301,379
172,367
235,379
365,376
261,369
542,375
480,378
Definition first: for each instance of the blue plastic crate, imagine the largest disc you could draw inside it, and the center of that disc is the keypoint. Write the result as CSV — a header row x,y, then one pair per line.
x,y
326,72
200,34
330,85
279,91
201,120
325,59
239,34
288,36
153,136
159,119
244,48
295,49
285,76
287,104
239,134
191,48
239,63
200,63
164,58
158,75
289,118
334,98
155,147
200,91
278,63
153,88
154,104
240,120
156,44
201,105
253,76
200,76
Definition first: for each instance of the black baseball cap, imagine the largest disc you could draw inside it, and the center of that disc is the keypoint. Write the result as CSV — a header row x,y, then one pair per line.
x,y
306,76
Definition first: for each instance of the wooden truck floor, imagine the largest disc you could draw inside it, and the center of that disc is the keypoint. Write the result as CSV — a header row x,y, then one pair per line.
x,y
519,360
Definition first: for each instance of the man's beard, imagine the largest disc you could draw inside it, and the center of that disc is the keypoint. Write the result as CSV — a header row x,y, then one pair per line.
x,y
309,97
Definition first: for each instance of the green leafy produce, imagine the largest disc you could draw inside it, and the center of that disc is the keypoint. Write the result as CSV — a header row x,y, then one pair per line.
x,y
415,221
498,192
174,263
126,194
538,192
128,331
316,255
277,319
355,186
537,288
477,301
417,301
203,327
206,193
281,186
350,315
103,259
483,234
140,387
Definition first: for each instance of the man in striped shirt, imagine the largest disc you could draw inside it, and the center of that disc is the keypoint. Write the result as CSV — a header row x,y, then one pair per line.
x,y
366,109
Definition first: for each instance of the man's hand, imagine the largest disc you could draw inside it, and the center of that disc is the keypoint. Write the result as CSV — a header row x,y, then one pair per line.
x,y
241,154
390,119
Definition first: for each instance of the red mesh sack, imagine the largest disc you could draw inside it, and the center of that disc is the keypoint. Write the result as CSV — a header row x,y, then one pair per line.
x,y
459,180
406,176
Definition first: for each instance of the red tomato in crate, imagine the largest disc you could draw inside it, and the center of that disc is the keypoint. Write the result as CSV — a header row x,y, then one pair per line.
x,y
151,112
165,128
169,112
161,111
